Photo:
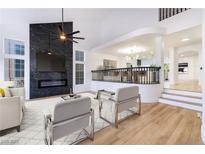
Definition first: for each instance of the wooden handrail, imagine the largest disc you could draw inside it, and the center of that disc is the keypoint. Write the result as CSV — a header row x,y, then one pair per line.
x,y
123,68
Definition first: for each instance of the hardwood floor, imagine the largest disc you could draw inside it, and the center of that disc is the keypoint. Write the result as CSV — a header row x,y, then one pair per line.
x,y
158,124
187,86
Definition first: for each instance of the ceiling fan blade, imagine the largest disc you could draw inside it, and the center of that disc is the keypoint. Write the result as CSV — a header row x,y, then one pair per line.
x,y
72,40
80,38
72,33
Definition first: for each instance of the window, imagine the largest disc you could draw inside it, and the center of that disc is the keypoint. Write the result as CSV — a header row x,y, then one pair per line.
x,y
79,67
14,69
79,56
19,68
14,47
79,73
19,49
14,61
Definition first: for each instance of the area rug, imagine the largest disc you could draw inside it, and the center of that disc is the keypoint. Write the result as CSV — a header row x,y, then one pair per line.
x,y
32,126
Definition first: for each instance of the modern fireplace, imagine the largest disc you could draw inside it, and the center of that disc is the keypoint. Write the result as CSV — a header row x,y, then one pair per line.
x,y
50,74
52,83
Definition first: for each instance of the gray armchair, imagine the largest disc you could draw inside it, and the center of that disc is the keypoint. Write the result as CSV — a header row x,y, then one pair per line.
x,y
67,117
124,99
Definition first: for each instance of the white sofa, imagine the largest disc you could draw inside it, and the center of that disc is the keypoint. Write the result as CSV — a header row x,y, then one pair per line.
x,y
11,109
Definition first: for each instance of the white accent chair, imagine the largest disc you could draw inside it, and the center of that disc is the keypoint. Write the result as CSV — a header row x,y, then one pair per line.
x,y
124,99
68,117
11,109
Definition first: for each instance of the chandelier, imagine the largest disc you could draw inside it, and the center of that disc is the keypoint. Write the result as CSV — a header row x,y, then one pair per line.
x,y
132,53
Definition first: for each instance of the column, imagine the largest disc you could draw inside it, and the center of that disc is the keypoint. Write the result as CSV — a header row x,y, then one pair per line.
x,y
158,58
173,76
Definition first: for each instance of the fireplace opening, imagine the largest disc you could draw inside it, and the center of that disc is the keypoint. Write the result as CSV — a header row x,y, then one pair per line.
x,y
52,83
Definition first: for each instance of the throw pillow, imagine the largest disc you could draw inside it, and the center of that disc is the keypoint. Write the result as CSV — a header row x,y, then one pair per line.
x,y
6,92
2,93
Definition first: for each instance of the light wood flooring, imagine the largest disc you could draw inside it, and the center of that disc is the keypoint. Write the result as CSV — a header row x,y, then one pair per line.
x,y
187,86
158,124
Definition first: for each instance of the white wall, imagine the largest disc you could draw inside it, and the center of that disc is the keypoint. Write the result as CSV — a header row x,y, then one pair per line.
x,y
149,93
193,68
123,21
144,62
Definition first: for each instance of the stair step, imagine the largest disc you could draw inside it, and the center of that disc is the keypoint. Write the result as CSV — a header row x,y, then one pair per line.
x,y
183,98
185,93
183,104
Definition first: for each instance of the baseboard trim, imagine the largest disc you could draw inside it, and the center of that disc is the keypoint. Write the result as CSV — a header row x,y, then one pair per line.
x,y
202,134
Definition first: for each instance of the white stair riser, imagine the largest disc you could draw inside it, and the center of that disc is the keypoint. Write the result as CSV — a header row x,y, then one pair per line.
x,y
180,104
183,98
186,93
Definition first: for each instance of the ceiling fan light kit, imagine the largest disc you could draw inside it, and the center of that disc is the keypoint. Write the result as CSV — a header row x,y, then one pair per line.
x,y
62,37
66,37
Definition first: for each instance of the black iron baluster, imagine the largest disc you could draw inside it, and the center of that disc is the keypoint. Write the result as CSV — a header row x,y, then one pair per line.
x,y
131,74
149,74
167,15
140,76
144,75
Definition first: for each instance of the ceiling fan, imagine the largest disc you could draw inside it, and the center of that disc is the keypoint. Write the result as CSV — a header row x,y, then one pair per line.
x,y
67,37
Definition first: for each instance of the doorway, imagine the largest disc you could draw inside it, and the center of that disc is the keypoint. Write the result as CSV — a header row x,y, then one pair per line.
x,y
182,61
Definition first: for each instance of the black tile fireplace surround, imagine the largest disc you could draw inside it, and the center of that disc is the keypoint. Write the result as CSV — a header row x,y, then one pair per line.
x,y
44,84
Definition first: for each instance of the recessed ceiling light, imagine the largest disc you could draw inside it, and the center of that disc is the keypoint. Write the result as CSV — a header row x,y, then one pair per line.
x,y
185,39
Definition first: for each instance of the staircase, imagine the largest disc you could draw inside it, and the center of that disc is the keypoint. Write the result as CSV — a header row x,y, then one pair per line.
x,y
184,99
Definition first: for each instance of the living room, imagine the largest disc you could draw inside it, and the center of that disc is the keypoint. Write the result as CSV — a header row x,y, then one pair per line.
x,y
74,76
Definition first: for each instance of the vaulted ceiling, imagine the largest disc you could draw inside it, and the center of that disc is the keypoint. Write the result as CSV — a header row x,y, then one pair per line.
x,y
98,26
